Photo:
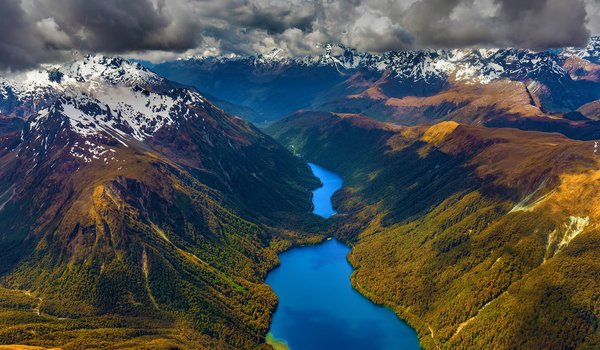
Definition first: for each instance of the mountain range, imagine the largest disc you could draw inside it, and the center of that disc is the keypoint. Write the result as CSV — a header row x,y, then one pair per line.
x,y
555,89
140,208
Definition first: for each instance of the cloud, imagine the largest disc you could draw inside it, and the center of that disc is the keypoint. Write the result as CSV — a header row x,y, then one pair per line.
x,y
35,31
20,42
593,13
118,26
533,24
540,24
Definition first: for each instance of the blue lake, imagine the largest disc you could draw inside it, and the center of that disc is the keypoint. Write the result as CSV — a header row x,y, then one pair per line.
x,y
318,308
322,195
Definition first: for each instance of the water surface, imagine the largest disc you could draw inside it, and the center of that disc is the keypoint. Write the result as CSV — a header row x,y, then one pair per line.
x,y
322,195
318,308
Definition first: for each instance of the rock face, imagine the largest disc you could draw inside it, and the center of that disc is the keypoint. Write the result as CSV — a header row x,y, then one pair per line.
x,y
124,194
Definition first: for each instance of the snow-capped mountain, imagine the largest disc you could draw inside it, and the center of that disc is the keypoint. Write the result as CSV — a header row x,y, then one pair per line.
x,y
84,109
591,52
102,112
97,110
102,162
84,73
270,86
465,65
113,80
97,97
128,111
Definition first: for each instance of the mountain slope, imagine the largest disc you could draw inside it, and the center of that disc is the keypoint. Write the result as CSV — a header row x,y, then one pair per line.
x,y
479,238
129,214
262,90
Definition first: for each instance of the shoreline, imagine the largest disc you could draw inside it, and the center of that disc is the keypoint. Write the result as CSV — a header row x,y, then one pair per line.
x,y
276,343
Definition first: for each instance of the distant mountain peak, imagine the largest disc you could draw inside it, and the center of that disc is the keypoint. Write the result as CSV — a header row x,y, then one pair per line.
x,y
591,52
84,72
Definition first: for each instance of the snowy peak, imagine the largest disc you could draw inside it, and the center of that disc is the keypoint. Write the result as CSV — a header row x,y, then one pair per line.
x,y
470,66
591,52
99,94
466,65
114,70
121,112
90,108
274,56
6,90
85,74
96,101
95,76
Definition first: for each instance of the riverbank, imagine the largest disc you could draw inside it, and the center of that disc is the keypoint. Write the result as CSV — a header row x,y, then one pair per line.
x,y
424,331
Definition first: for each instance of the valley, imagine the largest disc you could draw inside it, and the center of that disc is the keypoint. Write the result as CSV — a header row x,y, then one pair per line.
x,y
318,308
170,205
477,237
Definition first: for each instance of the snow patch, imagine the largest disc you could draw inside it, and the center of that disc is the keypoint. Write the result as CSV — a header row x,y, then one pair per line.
x,y
110,96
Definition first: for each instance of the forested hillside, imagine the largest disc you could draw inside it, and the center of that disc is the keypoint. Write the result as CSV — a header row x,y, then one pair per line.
x,y
480,238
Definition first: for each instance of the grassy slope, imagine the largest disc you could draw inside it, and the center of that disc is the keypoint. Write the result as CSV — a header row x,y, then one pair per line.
x,y
124,248
465,231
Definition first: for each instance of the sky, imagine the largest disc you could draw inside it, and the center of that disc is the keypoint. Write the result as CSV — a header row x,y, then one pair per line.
x,y
40,31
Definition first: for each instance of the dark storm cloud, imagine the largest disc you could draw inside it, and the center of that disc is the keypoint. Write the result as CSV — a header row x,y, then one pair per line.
x,y
539,24
274,20
534,24
20,46
118,26
34,31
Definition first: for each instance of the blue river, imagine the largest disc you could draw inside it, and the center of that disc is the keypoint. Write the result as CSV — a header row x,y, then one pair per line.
x,y
318,308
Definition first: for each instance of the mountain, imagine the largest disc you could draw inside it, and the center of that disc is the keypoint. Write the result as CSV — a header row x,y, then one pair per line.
x,y
496,87
134,213
261,90
478,237
591,52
